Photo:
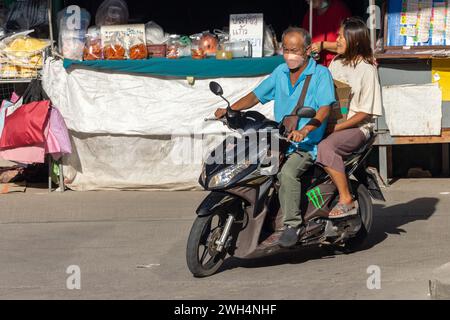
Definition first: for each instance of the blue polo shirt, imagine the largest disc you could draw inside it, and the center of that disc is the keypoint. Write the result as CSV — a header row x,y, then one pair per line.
x,y
321,93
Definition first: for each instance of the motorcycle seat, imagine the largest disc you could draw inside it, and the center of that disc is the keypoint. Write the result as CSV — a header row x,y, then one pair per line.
x,y
365,146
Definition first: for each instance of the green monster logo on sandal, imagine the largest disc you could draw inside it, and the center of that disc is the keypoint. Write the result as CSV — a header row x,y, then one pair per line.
x,y
315,196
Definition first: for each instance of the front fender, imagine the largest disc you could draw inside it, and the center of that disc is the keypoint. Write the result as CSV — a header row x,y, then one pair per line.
x,y
215,200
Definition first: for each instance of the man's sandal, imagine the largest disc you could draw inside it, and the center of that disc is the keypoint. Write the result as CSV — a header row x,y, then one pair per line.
x,y
343,210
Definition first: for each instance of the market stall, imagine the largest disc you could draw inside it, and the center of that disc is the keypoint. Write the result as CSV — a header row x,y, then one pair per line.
x,y
413,54
136,118
30,126
132,131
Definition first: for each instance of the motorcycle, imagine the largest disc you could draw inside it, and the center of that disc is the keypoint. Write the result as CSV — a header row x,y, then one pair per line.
x,y
242,209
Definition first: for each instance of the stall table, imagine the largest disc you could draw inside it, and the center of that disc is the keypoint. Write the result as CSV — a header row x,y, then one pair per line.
x,y
398,68
131,121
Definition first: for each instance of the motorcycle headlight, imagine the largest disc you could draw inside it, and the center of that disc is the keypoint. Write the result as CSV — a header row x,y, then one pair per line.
x,y
225,176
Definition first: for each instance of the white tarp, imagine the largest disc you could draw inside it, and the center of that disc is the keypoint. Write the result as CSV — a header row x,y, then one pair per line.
x,y
413,110
128,130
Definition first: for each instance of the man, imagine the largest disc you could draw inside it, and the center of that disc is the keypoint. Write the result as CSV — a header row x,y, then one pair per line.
x,y
327,18
284,86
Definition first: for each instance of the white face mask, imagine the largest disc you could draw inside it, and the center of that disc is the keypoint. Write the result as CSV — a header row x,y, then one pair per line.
x,y
294,61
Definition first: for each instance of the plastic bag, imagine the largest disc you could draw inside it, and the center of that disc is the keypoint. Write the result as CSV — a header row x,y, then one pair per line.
x,y
114,48
72,39
28,14
138,51
112,12
155,34
34,92
136,45
93,49
21,50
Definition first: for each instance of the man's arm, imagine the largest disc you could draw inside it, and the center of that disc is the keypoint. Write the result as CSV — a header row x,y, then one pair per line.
x,y
321,116
247,102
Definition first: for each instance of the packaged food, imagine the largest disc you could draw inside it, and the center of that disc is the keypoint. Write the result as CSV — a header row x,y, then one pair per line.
x,y
208,43
173,46
8,71
22,50
114,52
72,36
93,49
131,38
136,44
157,50
196,49
224,51
138,52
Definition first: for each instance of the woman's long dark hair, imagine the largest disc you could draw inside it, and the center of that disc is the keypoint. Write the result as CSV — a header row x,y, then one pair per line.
x,y
357,36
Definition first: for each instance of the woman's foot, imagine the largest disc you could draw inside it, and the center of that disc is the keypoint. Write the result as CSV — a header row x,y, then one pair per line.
x,y
342,210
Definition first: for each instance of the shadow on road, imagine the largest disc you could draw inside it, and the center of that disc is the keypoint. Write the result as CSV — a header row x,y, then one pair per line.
x,y
387,220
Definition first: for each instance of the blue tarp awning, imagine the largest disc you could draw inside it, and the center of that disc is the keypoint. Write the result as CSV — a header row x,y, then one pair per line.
x,y
186,66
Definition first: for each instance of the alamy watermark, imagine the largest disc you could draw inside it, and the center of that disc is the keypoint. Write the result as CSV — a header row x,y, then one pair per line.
x,y
250,147
73,282
374,280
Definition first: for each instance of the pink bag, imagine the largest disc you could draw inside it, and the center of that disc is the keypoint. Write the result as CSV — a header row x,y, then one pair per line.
x,y
25,127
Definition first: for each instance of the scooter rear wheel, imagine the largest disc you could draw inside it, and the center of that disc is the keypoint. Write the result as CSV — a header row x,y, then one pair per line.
x,y
202,258
366,213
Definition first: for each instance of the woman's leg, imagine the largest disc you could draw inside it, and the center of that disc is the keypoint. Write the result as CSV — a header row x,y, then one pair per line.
x,y
340,181
331,156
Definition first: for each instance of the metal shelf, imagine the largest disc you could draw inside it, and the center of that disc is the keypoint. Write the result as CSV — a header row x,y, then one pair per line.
x,y
7,81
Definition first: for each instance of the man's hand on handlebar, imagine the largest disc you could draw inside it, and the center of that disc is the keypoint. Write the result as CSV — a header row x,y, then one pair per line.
x,y
220,113
297,135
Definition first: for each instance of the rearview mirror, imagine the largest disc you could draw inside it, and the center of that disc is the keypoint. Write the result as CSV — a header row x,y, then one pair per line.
x,y
215,88
307,113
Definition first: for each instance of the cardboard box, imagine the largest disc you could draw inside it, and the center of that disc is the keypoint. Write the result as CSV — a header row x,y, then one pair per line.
x,y
340,108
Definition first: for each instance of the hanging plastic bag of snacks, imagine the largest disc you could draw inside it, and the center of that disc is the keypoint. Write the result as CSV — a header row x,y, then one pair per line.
x,y
137,48
93,49
114,48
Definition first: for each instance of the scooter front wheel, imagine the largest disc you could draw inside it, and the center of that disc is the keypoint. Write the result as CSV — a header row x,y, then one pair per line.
x,y
203,258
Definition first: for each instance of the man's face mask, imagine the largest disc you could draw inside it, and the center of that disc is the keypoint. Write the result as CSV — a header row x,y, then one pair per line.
x,y
294,61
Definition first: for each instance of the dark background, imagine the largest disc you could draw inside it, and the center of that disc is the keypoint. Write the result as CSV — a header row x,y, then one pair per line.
x,y
189,17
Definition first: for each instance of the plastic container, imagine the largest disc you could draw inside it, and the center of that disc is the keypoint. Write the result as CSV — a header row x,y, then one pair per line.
x,y
241,49
224,51
173,46
209,43
197,51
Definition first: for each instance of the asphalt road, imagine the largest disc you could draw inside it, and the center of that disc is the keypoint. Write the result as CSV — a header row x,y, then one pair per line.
x,y
131,245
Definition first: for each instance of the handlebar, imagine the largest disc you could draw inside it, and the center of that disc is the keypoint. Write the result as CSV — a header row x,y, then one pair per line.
x,y
224,121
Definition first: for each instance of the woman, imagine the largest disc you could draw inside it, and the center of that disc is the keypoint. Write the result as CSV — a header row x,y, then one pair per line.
x,y
355,66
